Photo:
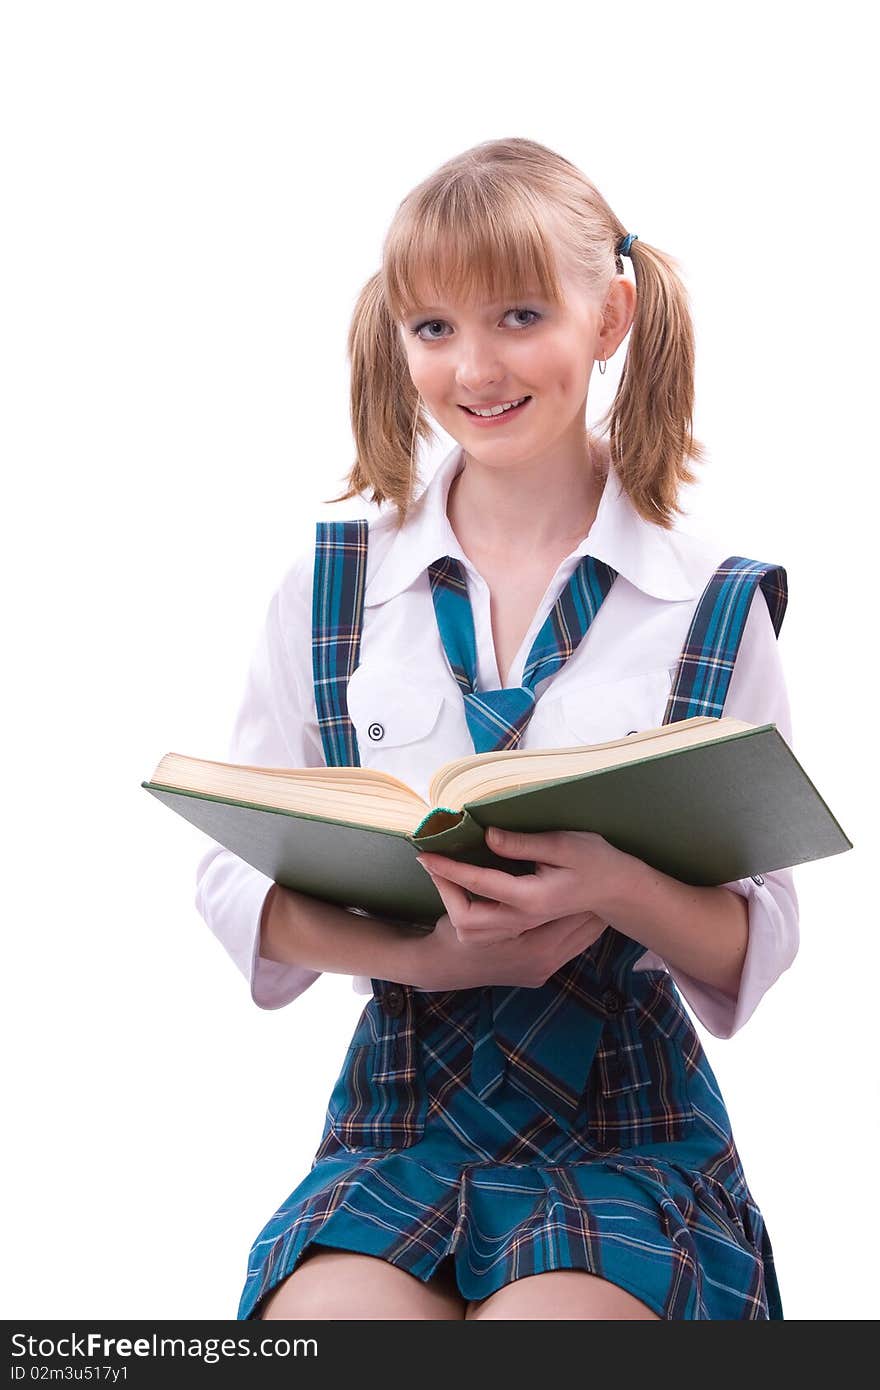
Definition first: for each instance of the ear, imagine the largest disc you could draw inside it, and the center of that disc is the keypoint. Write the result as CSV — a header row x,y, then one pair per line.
x,y
617,314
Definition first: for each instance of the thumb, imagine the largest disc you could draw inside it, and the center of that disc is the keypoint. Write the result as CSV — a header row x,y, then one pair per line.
x,y
514,843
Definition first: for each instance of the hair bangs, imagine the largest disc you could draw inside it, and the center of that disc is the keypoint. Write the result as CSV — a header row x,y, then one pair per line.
x,y
469,244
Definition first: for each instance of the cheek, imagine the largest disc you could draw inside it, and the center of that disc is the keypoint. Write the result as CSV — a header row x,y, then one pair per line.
x,y
428,377
556,369
568,373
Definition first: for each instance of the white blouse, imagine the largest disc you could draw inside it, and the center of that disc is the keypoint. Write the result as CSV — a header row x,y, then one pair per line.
x,y
616,681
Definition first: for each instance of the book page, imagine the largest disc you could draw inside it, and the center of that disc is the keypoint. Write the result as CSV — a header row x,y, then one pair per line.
x,y
485,774
360,795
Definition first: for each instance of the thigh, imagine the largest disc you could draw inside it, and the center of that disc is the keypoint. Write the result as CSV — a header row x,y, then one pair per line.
x,y
560,1293
338,1284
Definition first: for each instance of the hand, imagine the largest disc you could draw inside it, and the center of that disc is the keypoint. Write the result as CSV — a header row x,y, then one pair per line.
x,y
575,873
439,960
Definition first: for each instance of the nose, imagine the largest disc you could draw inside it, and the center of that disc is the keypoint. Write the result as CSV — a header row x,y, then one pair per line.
x,y
477,376
478,366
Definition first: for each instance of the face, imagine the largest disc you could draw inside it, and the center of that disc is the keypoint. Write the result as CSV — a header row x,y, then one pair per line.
x,y
481,355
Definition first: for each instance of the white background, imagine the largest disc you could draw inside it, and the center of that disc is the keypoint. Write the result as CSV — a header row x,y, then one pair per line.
x,y
194,197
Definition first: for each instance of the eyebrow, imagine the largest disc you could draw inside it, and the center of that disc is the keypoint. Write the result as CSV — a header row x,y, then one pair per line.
x,y
495,304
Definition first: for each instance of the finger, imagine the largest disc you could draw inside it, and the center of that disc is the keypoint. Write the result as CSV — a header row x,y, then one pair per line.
x,y
494,884
455,899
565,930
583,935
474,921
459,907
543,846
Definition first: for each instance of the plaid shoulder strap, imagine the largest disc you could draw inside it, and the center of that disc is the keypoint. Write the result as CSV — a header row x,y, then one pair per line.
x,y
337,615
535,1049
707,659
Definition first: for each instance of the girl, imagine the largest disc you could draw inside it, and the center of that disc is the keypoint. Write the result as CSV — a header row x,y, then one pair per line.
x,y
525,1124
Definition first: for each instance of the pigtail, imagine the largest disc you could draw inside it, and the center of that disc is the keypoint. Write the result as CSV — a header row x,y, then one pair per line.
x,y
651,417
385,407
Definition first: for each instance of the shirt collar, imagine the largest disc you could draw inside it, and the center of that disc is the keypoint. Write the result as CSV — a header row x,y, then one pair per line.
x,y
650,557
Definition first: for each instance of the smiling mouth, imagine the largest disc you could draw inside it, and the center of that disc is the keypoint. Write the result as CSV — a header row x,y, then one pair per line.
x,y
498,413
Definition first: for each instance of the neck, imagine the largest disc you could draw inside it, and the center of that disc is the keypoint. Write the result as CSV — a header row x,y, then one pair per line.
x,y
538,505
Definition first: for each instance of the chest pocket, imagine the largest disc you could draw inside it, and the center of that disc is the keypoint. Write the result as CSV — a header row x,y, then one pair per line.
x,y
379,1100
613,709
637,1091
388,717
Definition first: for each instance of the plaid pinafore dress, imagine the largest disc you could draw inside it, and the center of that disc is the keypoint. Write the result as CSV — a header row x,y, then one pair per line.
x,y
600,1141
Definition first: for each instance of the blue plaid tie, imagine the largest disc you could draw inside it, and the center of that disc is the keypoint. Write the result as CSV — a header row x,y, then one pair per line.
x,y
498,718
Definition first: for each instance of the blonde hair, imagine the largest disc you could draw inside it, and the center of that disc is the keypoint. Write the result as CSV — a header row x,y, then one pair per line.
x,y
483,224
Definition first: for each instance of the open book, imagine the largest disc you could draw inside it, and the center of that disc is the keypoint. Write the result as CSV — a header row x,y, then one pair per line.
x,y
705,800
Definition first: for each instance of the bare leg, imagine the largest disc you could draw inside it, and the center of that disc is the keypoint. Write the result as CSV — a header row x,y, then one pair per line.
x,y
338,1284
561,1293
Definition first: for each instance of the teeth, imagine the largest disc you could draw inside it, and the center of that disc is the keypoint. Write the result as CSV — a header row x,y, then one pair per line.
x,y
497,409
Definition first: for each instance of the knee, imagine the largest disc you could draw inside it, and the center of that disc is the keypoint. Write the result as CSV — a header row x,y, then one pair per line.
x,y
309,1291
339,1284
562,1293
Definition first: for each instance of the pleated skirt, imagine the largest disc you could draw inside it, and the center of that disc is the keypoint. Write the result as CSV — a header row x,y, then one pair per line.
x,y
636,1179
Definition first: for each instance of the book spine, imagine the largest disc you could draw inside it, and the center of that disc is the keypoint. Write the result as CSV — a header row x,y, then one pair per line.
x,y
466,840
461,836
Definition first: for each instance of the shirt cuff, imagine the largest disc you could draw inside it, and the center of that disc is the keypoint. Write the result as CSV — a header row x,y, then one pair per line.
x,y
273,983
772,946
230,895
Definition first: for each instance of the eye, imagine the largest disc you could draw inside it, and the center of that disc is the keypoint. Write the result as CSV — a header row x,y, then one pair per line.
x,y
534,313
433,323
428,323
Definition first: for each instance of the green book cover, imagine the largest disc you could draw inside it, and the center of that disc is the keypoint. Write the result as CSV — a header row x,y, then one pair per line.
x,y
705,814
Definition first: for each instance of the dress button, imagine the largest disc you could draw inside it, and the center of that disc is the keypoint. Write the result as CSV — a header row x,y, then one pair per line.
x,y
611,1001
393,1001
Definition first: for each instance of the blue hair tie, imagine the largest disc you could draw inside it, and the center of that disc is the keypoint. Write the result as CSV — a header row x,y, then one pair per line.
x,y
626,243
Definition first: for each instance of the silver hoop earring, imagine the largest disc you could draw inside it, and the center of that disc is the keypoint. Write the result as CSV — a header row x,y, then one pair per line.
x,y
602,366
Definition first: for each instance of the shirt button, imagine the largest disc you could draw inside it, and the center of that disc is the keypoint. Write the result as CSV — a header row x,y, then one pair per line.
x,y
376,731
756,878
393,1001
611,1001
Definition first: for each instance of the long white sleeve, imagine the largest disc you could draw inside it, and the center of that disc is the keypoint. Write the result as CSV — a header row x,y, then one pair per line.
x,y
757,693
276,726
